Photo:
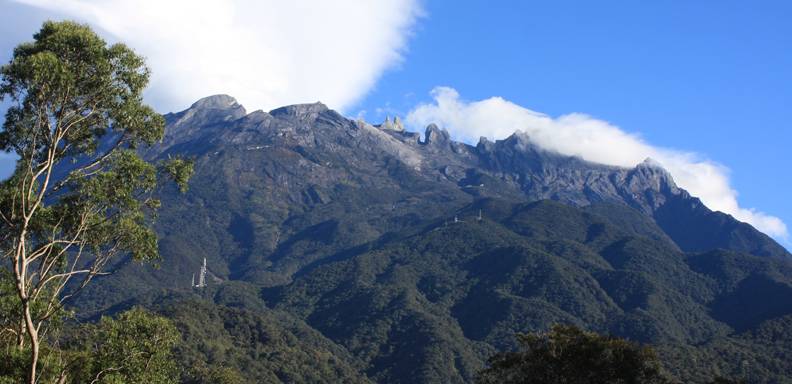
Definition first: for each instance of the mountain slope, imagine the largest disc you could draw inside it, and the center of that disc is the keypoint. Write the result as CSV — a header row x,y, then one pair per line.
x,y
470,286
371,236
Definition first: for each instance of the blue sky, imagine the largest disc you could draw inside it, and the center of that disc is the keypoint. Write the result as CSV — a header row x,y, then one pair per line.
x,y
707,77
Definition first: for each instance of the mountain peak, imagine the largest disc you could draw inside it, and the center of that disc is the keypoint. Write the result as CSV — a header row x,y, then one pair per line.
x,y
650,174
519,139
216,102
653,167
300,110
651,163
436,135
211,109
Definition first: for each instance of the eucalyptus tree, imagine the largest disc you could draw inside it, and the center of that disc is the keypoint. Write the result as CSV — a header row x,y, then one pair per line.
x,y
80,194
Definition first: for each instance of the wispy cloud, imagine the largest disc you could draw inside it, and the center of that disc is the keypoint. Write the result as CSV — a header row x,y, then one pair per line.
x,y
266,53
592,139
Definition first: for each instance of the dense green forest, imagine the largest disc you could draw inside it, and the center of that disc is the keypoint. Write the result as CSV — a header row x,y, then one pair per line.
x,y
434,304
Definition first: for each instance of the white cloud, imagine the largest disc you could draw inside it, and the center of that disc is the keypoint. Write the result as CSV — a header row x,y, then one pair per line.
x,y
265,53
592,139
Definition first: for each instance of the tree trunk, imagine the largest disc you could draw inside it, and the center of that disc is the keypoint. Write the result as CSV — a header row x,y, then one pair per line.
x,y
20,270
21,334
34,343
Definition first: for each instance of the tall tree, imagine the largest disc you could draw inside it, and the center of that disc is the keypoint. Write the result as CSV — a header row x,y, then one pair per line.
x,y
80,195
569,355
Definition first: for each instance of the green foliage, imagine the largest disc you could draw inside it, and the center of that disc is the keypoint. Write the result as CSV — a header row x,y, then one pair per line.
x,y
569,355
135,347
233,335
450,292
9,309
81,194
179,170
70,71
14,365
215,375
432,303
15,360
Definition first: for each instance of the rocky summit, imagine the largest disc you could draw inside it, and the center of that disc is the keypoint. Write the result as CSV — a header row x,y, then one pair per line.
x,y
368,253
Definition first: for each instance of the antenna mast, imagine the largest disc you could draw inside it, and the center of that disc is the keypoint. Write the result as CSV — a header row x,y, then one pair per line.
x,y
201,276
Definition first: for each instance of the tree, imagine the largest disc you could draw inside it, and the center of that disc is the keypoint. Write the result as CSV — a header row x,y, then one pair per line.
x,y
80,194
569,355
214,375
135,348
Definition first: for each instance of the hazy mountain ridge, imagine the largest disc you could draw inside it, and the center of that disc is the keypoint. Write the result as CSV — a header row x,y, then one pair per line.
x,y
370,235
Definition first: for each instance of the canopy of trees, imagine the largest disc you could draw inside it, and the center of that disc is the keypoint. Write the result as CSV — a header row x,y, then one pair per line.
x,y
569,355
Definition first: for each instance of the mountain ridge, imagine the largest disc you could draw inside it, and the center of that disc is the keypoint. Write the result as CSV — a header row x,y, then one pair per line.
x,y
415,259
528,168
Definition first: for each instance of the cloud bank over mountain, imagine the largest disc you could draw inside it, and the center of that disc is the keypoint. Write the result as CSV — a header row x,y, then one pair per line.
x,y
267,53
592,139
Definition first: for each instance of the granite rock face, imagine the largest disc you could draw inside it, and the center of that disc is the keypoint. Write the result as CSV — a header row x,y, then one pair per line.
x,y
308,161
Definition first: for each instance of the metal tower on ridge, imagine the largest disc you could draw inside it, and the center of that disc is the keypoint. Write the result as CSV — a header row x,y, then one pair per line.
x,y
201,276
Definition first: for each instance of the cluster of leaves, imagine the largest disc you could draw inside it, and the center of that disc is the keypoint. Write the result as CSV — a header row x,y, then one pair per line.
x,y
569,355
135,347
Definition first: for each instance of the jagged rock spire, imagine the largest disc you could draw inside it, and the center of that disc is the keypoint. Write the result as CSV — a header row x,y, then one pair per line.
x,y
436,136
395,125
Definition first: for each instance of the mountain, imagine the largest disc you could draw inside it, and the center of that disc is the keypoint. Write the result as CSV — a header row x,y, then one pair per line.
x,y
409,258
